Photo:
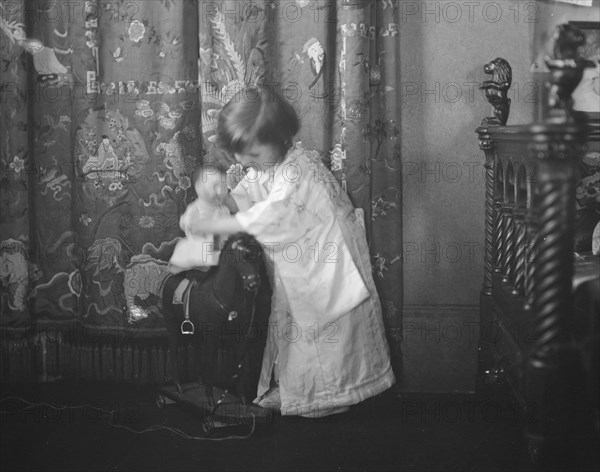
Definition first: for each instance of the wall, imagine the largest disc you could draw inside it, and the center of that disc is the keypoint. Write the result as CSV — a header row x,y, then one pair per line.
x,y
443,184
442,62
444,47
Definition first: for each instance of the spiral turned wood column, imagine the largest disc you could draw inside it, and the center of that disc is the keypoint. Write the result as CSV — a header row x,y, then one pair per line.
x,y
487,146
554,261
520,251
530,254
498,238
508,243
554,370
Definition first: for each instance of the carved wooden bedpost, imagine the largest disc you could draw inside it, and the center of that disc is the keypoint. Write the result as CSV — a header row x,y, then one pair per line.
x,y
554,369
529,241
496,91
486,145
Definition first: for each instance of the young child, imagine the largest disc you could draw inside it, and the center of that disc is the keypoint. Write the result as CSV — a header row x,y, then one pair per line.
x,y
201,250
326,346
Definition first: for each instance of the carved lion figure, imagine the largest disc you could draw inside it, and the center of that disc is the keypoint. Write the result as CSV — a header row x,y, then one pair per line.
x,y
496,90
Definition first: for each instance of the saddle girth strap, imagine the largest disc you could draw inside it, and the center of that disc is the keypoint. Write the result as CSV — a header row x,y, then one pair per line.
x,y
187,327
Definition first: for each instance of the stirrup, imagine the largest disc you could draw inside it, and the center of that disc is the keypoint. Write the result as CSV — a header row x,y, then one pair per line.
x,y
185,329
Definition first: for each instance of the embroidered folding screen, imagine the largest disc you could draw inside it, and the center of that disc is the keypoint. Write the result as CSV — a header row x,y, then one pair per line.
x,y
108,106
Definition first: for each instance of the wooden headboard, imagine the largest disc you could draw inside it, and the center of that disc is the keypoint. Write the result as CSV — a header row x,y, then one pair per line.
x,y
527,331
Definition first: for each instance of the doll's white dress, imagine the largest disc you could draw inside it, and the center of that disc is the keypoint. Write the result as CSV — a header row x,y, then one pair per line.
x,y
197,251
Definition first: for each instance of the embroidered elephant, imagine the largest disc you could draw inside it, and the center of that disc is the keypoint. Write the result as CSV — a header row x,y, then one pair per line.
x,y
14,274
144,276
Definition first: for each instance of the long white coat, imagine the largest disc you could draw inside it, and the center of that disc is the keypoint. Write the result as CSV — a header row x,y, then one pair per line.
x,y
326,341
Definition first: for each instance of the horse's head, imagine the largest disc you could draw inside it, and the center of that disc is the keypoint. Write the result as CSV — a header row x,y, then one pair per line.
x,y
245,252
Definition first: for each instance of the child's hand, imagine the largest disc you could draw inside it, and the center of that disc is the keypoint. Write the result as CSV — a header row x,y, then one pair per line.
x,y
235,174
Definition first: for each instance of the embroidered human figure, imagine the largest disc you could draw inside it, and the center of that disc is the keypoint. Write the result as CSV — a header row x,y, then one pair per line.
x,y
105,164
45,62
314,50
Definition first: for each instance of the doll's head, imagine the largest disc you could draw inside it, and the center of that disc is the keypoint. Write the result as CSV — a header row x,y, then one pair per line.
x,y
257,120
210,183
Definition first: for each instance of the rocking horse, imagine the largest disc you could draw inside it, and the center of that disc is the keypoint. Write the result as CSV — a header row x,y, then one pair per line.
x,y
227,307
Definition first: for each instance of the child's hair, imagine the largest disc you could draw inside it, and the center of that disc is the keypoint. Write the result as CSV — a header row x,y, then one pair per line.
x,y
257,114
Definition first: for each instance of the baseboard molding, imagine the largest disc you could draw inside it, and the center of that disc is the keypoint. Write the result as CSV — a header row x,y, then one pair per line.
x,y
439,348
439,354
440,310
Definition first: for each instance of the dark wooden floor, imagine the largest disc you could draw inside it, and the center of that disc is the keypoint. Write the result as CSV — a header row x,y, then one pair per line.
x,y
394,431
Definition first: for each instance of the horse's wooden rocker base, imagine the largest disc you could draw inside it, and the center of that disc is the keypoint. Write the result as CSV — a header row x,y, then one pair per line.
x,y
230,411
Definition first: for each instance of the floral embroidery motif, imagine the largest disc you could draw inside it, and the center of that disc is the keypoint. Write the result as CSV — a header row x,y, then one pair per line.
x,y
136,31
165,116
85,219
389,308
146,222
381,207
17,165
118,54
381,264
170,45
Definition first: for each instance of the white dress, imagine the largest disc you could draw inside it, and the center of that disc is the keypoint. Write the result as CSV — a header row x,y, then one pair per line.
x,y
326,337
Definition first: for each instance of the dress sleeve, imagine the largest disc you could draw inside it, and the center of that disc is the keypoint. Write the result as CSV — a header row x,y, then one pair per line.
x,y
241,196
314,265
276,219
251,189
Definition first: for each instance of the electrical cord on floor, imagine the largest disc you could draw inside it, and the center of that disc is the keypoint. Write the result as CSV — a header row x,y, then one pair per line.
x,y
110,414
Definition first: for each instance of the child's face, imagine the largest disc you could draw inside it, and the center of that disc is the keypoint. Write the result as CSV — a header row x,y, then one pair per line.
x,y
211,187
257,154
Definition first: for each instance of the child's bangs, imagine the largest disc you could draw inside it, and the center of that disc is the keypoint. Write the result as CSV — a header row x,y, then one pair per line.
x,y
256,116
